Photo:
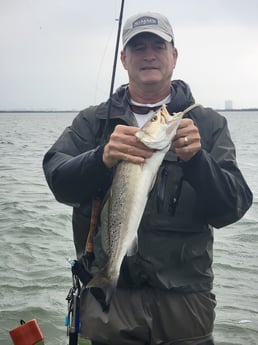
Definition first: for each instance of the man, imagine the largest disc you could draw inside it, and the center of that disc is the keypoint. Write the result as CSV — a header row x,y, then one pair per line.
x,y
164,292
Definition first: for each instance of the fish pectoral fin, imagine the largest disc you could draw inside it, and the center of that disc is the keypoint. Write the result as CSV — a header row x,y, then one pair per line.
x,y
152,183
133,248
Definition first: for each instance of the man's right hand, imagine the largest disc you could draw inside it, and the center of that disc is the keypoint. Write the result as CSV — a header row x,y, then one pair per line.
x,y
123,145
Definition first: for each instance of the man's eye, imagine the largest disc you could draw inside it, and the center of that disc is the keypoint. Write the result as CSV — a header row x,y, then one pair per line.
x,y
161,46
154,118
138,47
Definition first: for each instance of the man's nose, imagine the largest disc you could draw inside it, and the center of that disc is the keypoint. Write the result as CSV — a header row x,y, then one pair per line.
x,y
149,54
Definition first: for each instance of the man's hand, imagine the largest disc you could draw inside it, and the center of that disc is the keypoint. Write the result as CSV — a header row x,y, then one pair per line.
x,y
187,141
123,145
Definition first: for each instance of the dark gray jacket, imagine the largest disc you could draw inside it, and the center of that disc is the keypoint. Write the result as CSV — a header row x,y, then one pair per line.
x,y
187,201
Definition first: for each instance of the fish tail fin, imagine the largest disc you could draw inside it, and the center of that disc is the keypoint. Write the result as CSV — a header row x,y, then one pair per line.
x,y
102,288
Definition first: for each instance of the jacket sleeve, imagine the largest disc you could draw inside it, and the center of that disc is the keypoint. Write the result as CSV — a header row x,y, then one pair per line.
x,y
73,166
214,174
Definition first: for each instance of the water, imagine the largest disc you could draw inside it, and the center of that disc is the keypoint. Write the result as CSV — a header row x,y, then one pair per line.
x,y
36,235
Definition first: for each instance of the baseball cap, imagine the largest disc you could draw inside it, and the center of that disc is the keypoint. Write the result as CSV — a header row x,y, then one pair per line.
x,y
152,22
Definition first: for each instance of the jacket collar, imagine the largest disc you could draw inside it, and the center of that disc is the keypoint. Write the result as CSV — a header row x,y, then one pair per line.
x,y
181,98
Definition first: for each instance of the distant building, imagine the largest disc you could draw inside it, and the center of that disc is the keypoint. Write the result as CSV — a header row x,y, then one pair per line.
x,y
228,104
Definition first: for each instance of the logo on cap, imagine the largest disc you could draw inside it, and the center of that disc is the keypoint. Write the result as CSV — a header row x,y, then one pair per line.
x,y
145,21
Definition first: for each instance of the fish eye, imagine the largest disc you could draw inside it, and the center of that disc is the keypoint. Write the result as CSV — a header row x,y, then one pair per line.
x,y
154,118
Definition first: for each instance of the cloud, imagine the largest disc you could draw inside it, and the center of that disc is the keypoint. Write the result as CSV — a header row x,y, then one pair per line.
x,y
60,53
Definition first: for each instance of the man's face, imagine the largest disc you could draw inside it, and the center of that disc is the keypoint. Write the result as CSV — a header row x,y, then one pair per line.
x,y
149,59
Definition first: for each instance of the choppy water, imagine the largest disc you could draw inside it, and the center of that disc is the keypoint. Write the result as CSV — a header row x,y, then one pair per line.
x,y
36,236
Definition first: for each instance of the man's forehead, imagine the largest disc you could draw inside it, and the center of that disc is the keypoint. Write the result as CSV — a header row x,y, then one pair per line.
x,y
145,36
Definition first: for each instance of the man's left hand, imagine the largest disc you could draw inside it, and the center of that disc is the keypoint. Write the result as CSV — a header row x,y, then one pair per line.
x,y
187,141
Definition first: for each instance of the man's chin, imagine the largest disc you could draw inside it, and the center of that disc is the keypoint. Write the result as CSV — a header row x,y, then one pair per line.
x,y
151,81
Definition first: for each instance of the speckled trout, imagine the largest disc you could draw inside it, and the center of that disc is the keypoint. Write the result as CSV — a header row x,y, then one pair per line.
x,y
129,192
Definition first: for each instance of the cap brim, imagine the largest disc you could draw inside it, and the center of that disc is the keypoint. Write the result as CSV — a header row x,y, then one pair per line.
x,y
159,33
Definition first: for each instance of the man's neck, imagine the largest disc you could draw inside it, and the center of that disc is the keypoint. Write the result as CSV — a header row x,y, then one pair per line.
x,y
148,95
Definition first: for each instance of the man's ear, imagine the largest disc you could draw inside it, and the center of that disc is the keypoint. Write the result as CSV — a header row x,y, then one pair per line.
x,y
123,58
175,56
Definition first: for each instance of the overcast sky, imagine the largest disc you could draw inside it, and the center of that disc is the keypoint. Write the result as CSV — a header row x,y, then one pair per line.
x,y
59,53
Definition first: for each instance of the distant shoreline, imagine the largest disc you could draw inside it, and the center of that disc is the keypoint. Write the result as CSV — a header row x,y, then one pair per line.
x,y
240,109
39,111
77,111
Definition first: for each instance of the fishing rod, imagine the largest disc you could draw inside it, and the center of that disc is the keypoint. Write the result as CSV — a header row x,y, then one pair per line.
x,y
73,298
114,68
96,202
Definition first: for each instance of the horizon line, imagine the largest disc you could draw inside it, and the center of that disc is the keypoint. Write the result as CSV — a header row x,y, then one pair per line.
x,y
75,110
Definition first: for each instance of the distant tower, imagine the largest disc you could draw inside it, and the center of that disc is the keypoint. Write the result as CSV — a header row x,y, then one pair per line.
x,y
228,104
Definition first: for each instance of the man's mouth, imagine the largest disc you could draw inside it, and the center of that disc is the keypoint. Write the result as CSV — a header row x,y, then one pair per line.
x,y
146,68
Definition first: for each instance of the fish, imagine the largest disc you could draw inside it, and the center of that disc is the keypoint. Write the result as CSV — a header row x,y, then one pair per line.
x,y
128,196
